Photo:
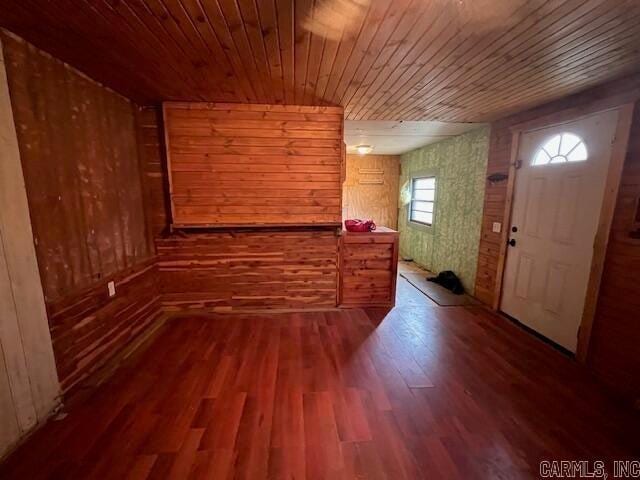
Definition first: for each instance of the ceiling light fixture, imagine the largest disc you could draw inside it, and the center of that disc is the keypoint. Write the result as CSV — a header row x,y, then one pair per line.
x,y
364,149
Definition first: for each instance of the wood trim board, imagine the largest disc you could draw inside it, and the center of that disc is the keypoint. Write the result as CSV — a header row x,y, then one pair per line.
x,y
168,159
515,145
616,165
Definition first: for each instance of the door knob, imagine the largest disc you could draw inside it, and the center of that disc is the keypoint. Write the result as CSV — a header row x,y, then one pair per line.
x,y
512,242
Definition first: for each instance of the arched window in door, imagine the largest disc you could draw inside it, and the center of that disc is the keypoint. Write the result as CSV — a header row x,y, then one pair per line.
x,y
563,148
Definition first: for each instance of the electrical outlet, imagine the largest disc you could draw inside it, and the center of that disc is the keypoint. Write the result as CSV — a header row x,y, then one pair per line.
x,y
497,227
111,286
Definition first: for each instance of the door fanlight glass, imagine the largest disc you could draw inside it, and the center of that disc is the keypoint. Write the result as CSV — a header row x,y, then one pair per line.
x,y
562,148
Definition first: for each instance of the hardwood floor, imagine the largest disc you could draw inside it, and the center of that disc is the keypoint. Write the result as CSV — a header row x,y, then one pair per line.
x,y
421,392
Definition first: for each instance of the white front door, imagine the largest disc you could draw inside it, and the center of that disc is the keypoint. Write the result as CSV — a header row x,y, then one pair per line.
x,y
557,199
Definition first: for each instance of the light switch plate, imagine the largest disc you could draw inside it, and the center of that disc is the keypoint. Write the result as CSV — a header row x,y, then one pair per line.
x,y
112,288
497,227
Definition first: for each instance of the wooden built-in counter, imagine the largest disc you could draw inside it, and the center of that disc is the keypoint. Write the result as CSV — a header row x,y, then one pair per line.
x,y
368,268
229,271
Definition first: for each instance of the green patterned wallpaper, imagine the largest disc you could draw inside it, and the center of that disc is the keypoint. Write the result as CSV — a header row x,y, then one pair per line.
x,y
460,165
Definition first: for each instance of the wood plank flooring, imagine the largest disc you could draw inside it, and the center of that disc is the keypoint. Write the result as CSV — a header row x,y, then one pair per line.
x,y
419,392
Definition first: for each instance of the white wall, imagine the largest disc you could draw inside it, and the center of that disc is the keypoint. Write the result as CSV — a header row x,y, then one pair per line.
x,y
29,388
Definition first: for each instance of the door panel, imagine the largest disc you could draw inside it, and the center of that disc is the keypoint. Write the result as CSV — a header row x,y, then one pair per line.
x,y
534,197
556,209
556,284
523,276
564,226
9,428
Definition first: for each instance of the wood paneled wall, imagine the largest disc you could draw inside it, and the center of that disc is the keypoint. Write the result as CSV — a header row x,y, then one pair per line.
x,y
79,154
233,164
250,270
493,211
616,332
371,188
89,328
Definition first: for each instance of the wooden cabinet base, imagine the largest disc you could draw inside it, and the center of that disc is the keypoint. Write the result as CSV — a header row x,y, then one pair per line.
x,y
368,268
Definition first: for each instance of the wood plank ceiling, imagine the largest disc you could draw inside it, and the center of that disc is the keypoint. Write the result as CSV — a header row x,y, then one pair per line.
x,y
448,60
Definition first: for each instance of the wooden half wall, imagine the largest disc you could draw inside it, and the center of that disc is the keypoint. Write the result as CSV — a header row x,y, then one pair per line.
x,y
78,148
240,164
248,270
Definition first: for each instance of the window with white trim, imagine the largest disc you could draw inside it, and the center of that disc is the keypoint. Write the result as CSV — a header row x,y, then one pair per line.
x,y
423,200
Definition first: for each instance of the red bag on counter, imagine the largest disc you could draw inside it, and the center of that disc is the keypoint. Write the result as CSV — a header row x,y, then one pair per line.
x,y
357,225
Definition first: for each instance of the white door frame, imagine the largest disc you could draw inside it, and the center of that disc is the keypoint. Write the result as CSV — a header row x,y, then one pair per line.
x,y
612,185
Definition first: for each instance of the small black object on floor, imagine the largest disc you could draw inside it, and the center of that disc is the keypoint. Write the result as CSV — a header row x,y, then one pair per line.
x,y
448,280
